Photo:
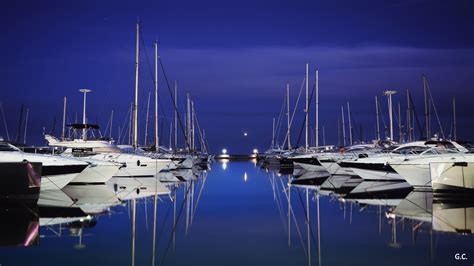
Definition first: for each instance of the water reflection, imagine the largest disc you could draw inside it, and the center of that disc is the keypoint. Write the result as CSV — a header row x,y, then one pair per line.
x,y
219,217
394,203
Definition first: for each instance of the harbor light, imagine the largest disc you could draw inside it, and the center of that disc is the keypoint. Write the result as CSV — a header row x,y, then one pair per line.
x,y
255,151
245,134
224,151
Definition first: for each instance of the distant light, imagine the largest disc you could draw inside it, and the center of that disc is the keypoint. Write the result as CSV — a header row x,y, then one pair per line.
x,y
224,151
224,165
255,151
245,134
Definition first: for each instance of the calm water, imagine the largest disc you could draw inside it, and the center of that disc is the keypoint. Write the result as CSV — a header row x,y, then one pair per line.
x,y
237,214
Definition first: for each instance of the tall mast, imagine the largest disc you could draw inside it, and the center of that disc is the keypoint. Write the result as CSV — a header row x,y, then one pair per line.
x,y
130,124
306,109
146,119
389,94
378,119
349,121
26,125
63,131
188,118
192,126
427,126
273,134
454,118
343,127
400,133
84,130
157,143
317,108
176,114
408,116
135,106
288,114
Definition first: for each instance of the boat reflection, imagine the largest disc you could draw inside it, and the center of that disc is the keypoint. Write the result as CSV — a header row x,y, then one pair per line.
x,y
427,211
73,211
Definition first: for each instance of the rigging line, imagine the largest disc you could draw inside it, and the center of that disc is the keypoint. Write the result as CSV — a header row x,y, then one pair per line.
x,y
279,121
127,116
160,104
435,110
173,101
382,116
420,129
304,120
199,128
294,110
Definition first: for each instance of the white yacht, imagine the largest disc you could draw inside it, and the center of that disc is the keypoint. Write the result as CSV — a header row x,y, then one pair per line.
x,y
56,171
437,166
131,164
377,167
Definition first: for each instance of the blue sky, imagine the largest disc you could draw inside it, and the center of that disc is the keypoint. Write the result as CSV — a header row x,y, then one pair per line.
x,y
235,58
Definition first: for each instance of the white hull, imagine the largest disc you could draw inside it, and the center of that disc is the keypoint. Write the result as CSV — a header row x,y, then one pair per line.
x,y
54,182
447,175
310,167
334,169
417,175
136,166
373,175
96,174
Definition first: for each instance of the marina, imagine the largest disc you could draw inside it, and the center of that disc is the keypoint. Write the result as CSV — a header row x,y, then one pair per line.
x,y
237,134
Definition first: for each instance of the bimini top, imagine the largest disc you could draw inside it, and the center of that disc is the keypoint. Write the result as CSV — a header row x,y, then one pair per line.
x,y
83,126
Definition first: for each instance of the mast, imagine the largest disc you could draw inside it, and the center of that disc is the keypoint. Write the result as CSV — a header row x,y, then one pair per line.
x,y
188,118
130,125
176,114
408,117
273,134
324,137
26,125
146,119
135,106
193,144
426,107
389,94
377,114
288,114
306,109
454,117
349,121
317,108
63,131
400,133
343,127
157,143
84,130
